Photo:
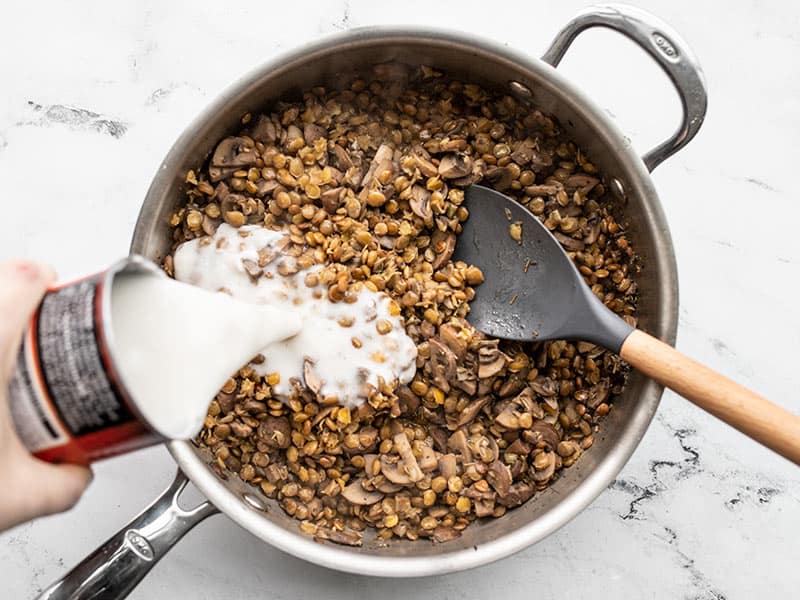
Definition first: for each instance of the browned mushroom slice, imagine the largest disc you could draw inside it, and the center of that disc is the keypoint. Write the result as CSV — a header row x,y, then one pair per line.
x,y
540,160
540,476
484,508
406,470
499,477
341,159
387,487
293,132
424,164
468,415
525,400
508,418
445,534
544,432
544,386
500,178
519,447
331,199
264,131
439,438
512,385
543,189
355,493
599,393
252,269
569,243
409,401
453,166
581,181
210,225
455,334
346,537
443,244
458,442
442,364
369,465
275,432
448,466
233,152
517,494
427,460
490,359
523,152
420,202
382,159
313,132
312,380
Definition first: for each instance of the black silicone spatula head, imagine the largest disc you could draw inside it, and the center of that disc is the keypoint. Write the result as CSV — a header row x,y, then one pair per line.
x,y
532,290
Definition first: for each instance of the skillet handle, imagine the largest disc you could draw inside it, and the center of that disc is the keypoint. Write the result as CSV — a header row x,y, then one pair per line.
x,y
116,567
666,47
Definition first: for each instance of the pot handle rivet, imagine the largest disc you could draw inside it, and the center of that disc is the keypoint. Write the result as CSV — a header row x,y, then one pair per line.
x,y
117,566
665,46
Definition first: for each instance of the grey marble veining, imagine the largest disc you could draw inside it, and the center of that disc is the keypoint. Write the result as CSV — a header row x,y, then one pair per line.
x,y
93,95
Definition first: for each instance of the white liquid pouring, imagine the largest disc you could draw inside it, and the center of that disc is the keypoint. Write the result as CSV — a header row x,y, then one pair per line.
x,y
175,345
340,340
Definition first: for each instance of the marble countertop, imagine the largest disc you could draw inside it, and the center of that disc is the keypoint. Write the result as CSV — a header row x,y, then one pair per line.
x,y
93,95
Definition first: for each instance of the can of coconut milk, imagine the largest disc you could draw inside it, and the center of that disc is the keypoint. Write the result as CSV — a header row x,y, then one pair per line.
x,y
66,397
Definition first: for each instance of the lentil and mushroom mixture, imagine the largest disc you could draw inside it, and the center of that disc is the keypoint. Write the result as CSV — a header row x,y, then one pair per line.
x,y
367,180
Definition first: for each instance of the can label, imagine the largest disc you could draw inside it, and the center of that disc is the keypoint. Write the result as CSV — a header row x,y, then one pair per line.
x,y
65,398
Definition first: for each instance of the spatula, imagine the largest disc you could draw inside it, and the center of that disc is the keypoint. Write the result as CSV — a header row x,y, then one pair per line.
x,y
533,292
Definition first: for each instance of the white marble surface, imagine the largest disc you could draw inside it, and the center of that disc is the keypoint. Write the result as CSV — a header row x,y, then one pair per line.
x,y
699,512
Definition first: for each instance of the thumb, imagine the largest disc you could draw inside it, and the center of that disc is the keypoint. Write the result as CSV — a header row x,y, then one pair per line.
x,y
22,285
52,488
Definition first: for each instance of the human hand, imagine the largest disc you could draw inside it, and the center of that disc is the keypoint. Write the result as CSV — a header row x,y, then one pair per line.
x,y
29,487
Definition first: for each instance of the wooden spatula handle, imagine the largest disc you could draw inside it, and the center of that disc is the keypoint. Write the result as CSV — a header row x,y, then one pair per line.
x,y
757,417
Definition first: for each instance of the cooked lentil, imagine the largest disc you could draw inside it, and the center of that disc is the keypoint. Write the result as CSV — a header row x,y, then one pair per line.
x,y
368,182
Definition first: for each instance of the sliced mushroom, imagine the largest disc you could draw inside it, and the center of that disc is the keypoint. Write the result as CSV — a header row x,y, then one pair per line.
x,y
525,400
275,432
233,152
523,153
445,534
540,160
331,199
406,470
468,415
442,364
543,190
345,537
420,202
455,334
313,132
484,508
512,385
341,159
387,487
443,244
312,380
582,182
252,269
598,394
448,467
458,442
508,418
424,164
409,401
369,465
226,402
544,386
519,447
293,133
427,460
383,156
355,493
210,225
490,359
517,494
264,131
569,243
474,176
453,166
544,432
439,437
548,472
499,477
266,187
500,178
